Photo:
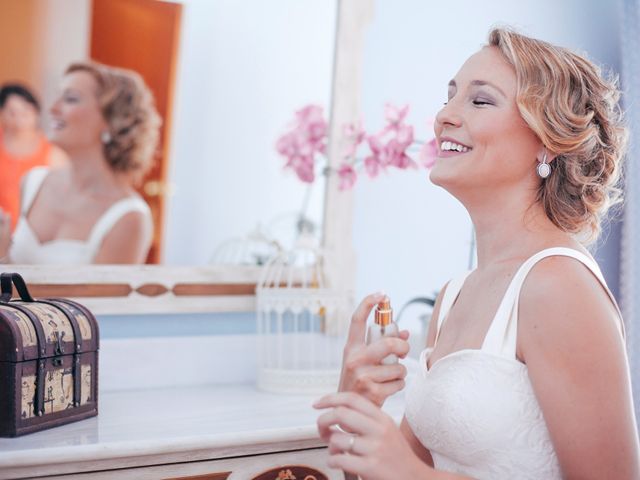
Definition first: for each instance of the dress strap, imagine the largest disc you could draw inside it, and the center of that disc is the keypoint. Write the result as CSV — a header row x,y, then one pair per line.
x,y
32,182
114,213
448,299
501,338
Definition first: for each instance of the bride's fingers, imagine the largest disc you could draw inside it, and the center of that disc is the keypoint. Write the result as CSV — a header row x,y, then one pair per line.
x,y
383,373
351,400
376,351
358,323
346,419
347,443
348,463
387,389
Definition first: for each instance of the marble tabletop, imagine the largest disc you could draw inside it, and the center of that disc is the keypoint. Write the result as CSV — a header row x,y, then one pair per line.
x,y
147,427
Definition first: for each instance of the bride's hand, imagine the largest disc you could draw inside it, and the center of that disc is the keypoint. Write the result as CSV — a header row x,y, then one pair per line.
x,y
362,370
375,448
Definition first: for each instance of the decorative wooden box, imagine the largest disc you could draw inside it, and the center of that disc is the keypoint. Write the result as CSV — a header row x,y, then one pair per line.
x,y
48,361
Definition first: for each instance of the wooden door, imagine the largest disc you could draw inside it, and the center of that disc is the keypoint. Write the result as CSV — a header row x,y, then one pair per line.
x,y
144,35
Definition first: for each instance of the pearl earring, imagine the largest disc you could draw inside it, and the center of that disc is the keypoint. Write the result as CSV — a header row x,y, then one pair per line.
x,y
105,137
544,169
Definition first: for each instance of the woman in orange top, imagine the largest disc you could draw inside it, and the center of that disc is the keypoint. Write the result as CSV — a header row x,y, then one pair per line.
x,y
22,145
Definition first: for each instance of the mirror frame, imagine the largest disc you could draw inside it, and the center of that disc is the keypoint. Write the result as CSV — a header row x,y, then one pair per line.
x,y
123,289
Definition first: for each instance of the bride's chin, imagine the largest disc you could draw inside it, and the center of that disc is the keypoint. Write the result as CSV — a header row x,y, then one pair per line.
x,y
451,179
60,142
437,175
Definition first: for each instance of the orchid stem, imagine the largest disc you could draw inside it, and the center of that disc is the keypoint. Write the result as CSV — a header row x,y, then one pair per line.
x,y
305,202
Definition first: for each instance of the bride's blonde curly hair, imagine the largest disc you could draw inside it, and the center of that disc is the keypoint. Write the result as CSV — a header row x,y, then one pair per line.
x,y
128,107
573,109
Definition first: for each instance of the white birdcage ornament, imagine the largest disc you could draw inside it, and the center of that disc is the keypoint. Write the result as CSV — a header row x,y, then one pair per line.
x,y
302,325
255,248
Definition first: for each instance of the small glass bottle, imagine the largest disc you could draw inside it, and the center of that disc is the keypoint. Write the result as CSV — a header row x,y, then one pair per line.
x,y
383,326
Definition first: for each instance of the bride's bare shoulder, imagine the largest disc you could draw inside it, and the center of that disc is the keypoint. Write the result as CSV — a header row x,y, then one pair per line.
x,y
562,302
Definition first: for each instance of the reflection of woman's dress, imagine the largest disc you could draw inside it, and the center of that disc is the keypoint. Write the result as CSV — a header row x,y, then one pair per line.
x,y
27,248
475,410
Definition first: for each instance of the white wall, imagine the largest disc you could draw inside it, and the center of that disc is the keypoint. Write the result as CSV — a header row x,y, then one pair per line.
x,y
244,68
65,40
410,236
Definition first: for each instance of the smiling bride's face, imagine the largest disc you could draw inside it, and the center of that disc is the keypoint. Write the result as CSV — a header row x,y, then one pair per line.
x,y
484,143
76,116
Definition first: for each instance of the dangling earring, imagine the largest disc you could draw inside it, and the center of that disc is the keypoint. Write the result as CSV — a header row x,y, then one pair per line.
x,y
544,169
105,137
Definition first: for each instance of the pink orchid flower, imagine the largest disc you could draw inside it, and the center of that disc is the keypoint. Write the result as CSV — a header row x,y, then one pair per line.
x,y
398,157
404,136
311,123
396,148
303,167
395,116
372,166
306,138
347,176
391,152
285,145
309,114
376,161
428,153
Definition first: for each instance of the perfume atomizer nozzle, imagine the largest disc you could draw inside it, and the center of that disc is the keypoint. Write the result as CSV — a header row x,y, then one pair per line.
x,y
384,326
383,313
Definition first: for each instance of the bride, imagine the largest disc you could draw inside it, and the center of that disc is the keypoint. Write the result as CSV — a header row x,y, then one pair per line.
x,y
525,374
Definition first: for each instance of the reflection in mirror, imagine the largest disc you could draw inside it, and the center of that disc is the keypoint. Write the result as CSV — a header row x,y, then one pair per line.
x,y
242,70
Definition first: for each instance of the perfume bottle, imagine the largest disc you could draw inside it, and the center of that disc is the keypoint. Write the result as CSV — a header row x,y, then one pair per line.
x,y
383,326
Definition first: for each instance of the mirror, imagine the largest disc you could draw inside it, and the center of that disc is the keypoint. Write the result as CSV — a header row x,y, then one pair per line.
x,y
245,68
120,289
241,71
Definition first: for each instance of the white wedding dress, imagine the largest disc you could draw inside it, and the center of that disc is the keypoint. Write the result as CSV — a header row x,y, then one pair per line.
x,y
475,410
27,248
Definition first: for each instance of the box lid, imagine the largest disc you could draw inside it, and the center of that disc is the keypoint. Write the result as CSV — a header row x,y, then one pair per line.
x,y
45,328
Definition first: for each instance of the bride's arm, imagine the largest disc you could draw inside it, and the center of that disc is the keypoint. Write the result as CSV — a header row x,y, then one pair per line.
x,y
569,337
128,241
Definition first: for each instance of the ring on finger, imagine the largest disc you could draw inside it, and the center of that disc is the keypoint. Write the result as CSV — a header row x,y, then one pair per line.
x,y
352,443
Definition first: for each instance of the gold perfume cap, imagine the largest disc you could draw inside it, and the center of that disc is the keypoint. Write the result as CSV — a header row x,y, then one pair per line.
x,y
384,313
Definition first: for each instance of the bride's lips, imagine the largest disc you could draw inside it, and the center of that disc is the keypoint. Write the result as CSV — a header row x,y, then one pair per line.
x,y
57,124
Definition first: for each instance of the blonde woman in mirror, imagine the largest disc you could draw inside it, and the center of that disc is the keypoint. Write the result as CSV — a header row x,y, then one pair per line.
x,y
23,145
525,374
89,212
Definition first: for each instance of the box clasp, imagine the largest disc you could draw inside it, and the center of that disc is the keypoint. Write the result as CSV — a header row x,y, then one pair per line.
x,y
59,348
